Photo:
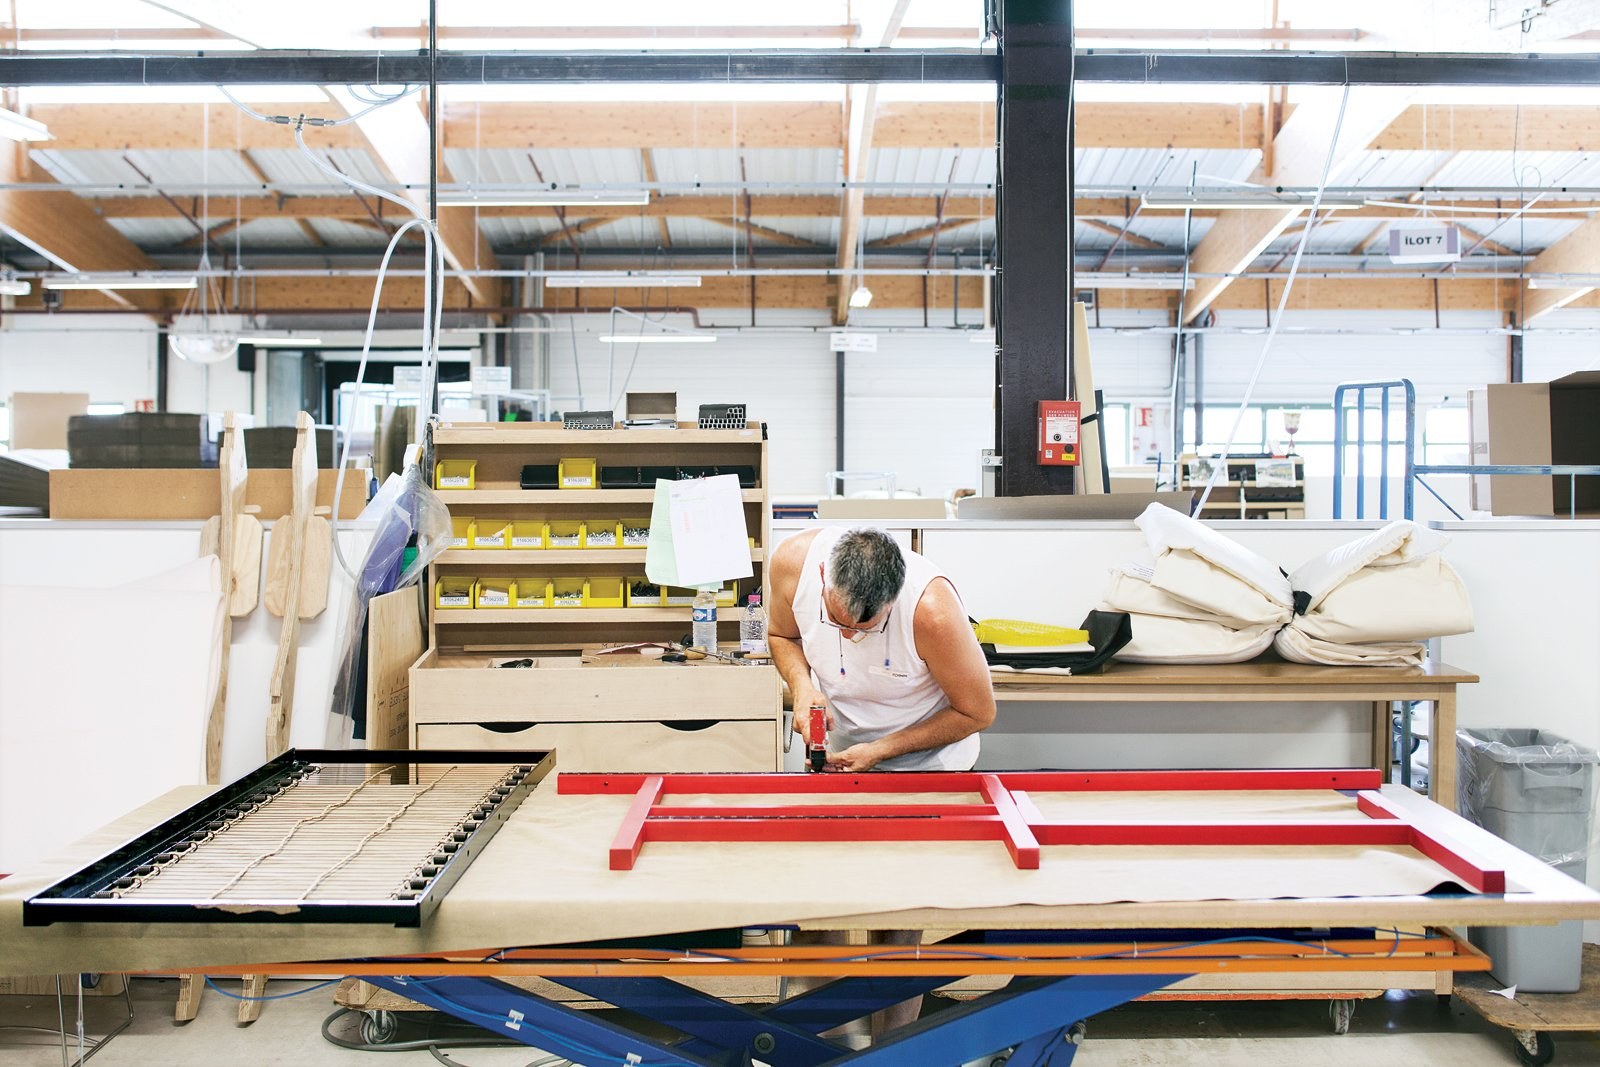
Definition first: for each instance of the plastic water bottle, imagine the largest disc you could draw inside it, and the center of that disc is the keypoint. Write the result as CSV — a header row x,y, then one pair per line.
x,y
704,631
753,628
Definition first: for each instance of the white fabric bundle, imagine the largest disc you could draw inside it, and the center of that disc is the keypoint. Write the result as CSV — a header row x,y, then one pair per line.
x,y
1376,599
1204,599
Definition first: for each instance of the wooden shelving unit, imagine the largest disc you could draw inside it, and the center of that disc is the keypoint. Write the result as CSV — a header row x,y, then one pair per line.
x,y
501,451
1236,497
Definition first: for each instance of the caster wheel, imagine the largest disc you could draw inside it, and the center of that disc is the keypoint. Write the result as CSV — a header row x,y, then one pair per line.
x,y
1534,1049
1342,1012
379,1027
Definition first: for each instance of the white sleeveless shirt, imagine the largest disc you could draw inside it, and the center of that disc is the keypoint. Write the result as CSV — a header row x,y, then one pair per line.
x,y
877,684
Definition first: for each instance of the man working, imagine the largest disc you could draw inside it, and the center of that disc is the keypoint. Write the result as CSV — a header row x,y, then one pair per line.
x,y
885,640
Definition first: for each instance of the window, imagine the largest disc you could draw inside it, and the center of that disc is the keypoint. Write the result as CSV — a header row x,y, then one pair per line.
x,y
1117,447
1446,436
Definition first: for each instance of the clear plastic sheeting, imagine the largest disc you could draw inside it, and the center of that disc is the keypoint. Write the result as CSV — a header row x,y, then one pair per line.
x,y
1531,788
404,508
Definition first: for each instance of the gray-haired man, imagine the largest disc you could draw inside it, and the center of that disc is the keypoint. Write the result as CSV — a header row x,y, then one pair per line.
x,y
882,636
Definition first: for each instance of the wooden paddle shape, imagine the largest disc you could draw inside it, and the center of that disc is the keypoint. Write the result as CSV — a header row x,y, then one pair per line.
x,y
292,529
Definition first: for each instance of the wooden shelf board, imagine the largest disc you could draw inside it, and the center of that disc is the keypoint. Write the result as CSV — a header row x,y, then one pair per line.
x,y
503,557
573,616
566,496
499,434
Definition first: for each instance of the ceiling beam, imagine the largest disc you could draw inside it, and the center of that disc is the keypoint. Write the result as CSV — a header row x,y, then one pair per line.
x,y
1302,149
647,165
921,233
758,230
805,124
1126,236
306,229
64,228
1576,253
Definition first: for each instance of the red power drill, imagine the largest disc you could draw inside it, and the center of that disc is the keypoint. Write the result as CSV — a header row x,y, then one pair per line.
x,y
817,736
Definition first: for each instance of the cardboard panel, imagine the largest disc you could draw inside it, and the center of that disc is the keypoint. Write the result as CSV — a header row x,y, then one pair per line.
x,y
39,420
176,495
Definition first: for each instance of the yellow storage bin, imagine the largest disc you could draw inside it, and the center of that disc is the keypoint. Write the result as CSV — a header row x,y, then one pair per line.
x,y
603,593
455,474
635,533
492,534
568,592
643,593
602,533
527,535
579,474
462,528
563,535
452,593
532,593
494,593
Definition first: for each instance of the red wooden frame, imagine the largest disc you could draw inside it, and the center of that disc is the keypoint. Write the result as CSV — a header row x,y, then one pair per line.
x,y
1007,813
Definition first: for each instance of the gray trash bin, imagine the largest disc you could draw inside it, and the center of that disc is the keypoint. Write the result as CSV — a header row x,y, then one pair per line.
x,y
1535,790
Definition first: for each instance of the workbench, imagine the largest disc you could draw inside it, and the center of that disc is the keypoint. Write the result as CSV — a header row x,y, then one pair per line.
x,y
545,880
1270,680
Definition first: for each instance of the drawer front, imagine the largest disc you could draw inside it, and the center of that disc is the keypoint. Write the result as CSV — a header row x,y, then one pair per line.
x,y
592,694
623,746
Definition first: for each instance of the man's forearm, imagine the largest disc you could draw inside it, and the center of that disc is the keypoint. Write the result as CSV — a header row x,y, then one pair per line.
x,y
790,660
943,727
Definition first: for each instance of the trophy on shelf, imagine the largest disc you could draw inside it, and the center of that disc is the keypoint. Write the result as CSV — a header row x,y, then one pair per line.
x,y
1291,426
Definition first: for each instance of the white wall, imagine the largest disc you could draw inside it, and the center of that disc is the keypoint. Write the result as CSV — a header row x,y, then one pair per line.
x,y
110,357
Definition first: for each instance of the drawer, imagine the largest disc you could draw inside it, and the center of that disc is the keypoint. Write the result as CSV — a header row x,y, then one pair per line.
x,y
622,746
465,689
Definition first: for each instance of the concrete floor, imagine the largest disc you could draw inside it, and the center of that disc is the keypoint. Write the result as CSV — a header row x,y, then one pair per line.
x,y
1420,1031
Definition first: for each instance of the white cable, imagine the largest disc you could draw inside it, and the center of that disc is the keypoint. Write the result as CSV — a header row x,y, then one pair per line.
x,y
1277,318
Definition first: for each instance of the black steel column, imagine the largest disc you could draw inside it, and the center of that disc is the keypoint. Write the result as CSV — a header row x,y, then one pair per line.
x,y
163,354
1513,353
1034,236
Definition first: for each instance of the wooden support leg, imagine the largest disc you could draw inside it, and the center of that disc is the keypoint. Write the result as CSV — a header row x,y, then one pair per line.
x,y
189,989
1442,751
1383,737
255,986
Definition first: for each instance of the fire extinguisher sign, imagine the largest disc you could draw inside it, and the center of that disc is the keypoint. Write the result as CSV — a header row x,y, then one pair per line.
x,y
1058,432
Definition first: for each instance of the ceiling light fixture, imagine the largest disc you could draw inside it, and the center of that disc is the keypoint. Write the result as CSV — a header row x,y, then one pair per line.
x,y
277,340
1556,281
596,279
14,287
17,127
1223,203
657,338
209,347
862,297
1094,280
550,198
120,281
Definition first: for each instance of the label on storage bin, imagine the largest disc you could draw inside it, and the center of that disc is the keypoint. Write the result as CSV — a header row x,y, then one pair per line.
x,y
494,598
563,540
454,481
530,601
577,481
603,539
636,536
492,541
569,600
453,600
458,542
533,541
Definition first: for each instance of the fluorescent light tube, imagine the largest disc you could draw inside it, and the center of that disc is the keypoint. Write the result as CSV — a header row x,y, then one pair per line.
x,y
861,298
14,287
595,279
120,281
549,199
1181,203
1167,280
17,127
277,341
1559,281
657,338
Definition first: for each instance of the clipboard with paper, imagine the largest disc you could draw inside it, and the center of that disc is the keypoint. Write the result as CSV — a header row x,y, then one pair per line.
x,y
698,536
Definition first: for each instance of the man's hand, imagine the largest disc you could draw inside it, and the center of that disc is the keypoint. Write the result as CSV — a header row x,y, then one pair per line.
x,y
857,758
803,700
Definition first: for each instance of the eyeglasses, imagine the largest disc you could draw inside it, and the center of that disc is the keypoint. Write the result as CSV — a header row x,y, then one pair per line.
x,y
822,612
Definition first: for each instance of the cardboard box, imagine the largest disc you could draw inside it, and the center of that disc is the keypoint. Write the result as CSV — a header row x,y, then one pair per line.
x,y
39,420
1538,423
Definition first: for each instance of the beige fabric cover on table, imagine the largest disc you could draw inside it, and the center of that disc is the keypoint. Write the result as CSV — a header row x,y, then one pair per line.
x,y
1374,600
545,879
1159,639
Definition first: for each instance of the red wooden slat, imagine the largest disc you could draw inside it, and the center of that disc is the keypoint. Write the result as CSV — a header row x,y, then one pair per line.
x,y
1020,842
630,835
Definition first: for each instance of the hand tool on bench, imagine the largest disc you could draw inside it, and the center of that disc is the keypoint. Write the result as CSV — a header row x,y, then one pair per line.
x,y
817,737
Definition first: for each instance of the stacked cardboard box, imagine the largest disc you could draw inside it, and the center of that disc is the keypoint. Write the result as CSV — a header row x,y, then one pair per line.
x,y
140,439
1538,424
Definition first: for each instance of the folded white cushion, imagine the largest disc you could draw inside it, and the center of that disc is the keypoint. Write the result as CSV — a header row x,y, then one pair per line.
x,y
1295,645
1392,585
1130,590
1200,566
1159,639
